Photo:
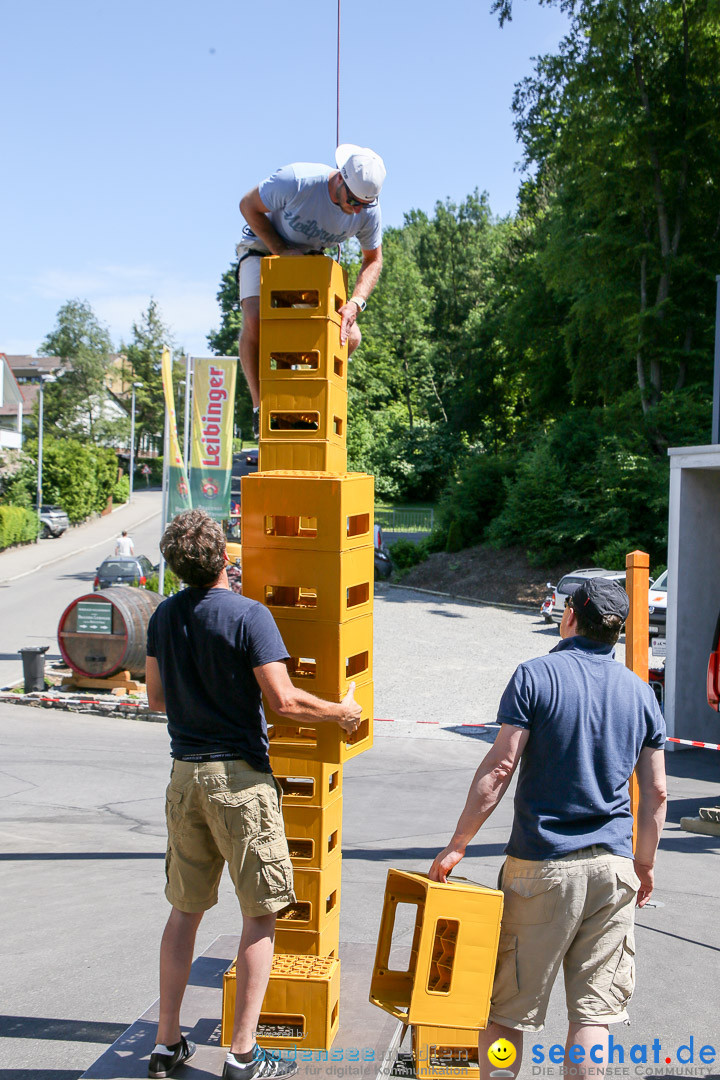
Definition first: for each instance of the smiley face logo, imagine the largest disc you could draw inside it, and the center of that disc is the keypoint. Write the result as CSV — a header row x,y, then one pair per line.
x,y
502,1053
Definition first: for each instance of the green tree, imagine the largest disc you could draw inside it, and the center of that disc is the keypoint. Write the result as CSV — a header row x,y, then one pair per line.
x,y
144,354
74,403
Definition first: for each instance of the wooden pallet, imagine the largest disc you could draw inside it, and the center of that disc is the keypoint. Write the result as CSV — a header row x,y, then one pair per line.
x,y
118,684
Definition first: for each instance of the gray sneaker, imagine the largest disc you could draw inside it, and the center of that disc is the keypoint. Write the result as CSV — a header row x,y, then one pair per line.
x,y
162,1065
263,1064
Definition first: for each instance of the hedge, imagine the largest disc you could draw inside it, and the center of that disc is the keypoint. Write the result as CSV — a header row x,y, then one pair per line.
x,y
17,525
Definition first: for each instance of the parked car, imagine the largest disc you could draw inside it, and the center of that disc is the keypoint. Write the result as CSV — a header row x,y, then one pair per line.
x,y
123,570
383,564
570,582
54,521
657,603
251,458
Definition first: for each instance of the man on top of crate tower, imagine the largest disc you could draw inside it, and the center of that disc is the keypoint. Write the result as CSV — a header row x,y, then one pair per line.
x,y
578,723
210,654
305,208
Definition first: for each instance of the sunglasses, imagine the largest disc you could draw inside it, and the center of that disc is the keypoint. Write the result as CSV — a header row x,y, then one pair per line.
x,y
352,201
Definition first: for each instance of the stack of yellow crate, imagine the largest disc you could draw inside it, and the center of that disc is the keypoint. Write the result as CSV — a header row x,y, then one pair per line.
x,y
307,554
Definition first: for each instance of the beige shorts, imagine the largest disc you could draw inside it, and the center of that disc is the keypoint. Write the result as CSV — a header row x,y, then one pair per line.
x,y
578,911
249,276
226,812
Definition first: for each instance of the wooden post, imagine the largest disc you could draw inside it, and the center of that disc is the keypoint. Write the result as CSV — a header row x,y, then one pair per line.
x,y
637,635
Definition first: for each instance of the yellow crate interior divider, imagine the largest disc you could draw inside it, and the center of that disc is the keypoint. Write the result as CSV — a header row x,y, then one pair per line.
x,y
449,979
302,349
313,409
307,782
309,288
318,900
326,657
314,834
305,456
325,741
300,1007
308,511
444,1052
312,586
325,942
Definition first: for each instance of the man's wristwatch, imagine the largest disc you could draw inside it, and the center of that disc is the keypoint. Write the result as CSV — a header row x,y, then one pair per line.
x,y
361,304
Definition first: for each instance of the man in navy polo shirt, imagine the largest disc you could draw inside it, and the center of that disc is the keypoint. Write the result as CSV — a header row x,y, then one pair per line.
x,y
578,723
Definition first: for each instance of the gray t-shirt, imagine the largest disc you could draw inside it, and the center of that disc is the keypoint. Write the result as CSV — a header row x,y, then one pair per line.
x,y
588,717
303,213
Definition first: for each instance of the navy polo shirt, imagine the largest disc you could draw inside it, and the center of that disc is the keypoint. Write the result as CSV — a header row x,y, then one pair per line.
x,y
588,717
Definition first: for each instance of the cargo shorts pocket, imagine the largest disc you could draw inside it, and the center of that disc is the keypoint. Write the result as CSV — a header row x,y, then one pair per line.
x,y
623,980
505,984
173,799
530,901
627,878
240,810
274,868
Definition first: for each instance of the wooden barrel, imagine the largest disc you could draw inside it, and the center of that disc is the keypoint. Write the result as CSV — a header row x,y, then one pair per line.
x,y
106,631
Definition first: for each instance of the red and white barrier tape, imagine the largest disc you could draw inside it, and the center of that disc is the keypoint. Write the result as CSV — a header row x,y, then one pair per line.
x,y
692,742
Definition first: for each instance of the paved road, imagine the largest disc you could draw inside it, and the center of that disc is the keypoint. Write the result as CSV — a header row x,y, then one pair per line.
x,y
37,582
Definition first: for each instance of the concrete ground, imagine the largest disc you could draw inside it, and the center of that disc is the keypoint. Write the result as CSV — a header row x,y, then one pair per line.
x,y
81,822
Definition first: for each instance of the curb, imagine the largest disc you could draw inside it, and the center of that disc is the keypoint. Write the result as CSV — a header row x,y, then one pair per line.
x,y
75,551
465,599
132,710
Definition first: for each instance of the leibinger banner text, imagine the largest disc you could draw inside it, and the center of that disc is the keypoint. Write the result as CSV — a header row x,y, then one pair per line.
x,y
213,414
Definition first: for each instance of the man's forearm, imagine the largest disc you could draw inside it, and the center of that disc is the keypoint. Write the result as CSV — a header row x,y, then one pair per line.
x,y
368,278
486,791
650,821
299,705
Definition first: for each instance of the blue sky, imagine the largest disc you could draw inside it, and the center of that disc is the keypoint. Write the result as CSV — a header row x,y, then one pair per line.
x,y
132,129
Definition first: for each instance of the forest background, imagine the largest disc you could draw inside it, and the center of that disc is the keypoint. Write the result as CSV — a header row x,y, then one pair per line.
x,y
527,374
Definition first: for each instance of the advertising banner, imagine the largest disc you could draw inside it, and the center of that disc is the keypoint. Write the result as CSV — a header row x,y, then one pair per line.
x,y
178,488
213,416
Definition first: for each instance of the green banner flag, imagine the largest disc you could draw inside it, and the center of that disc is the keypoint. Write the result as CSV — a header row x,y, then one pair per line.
x,y
178,488
213,415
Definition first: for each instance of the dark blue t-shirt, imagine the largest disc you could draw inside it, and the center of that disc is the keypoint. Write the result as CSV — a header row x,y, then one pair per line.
x,y
206,643
588,718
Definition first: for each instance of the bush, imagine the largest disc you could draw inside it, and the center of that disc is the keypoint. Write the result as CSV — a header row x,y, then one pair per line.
x,y
172,583
471,501
121,491
17,526
405,553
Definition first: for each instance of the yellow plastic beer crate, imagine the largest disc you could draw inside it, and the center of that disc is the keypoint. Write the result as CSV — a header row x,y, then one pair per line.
x,y
314,287
311,586
325,741
300,349
449,979
301,1006
314,834
325,657
313,409
317,901
316,455
325,942
297,511
307,782
444,1052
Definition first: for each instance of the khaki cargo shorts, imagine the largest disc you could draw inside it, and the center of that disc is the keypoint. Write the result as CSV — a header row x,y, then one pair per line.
x,y
578,911
226,812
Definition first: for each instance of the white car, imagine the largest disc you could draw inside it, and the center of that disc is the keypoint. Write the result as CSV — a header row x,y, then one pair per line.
x,y
657,602
570,582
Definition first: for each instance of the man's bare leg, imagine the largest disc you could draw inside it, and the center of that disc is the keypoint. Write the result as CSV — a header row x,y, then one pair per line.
x,y
354,339
250,346
485,1040
254,960
176,953
590,1037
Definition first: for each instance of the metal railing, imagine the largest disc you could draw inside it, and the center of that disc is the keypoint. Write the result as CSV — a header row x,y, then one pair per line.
x,y
406,520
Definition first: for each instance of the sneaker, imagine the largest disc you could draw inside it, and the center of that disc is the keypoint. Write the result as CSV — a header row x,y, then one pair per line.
x,y
164,1064
263,1064
256,423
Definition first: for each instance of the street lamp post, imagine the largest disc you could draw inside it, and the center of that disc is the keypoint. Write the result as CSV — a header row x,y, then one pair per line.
x,y
132,440
43,379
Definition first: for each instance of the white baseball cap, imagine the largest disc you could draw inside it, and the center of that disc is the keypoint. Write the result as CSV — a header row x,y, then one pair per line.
x,y
362,170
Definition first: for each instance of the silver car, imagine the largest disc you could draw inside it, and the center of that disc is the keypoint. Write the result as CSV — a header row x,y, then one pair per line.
x,y
570,582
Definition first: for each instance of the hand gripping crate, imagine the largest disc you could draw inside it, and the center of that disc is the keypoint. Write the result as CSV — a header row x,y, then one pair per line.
x,y
325,741
300,349
325,942
311,586
325,657
317,901
448,982
296,511
291,288
303,411
317,455
444,1052
314,834
307,782
301,1005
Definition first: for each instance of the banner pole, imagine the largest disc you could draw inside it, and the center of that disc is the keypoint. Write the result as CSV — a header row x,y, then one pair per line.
x,y
165,485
